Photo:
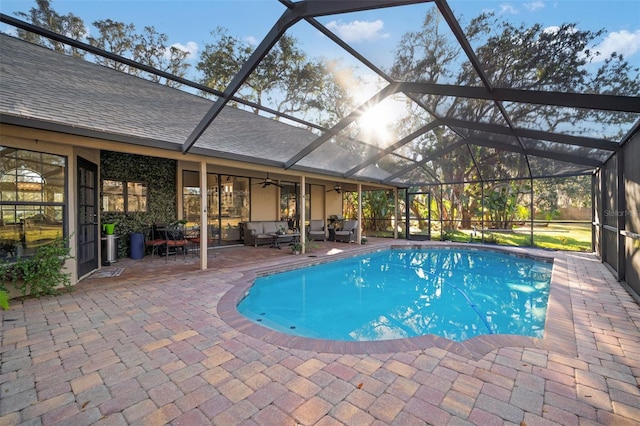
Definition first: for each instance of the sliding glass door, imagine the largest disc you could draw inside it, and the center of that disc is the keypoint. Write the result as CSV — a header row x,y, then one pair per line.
x,y
227,205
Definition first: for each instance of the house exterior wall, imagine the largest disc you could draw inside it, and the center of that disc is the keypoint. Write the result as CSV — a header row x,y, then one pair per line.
x,y
45,142
334,203
264,201
317,202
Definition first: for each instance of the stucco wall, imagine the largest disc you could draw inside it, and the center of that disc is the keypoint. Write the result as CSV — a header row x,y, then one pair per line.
x,y
264,203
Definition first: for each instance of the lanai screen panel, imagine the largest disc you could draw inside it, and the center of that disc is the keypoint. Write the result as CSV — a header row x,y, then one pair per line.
x,y
545,167
459,62
592,123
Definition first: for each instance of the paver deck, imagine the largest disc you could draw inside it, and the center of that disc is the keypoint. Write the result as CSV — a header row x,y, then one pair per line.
x,y
159,344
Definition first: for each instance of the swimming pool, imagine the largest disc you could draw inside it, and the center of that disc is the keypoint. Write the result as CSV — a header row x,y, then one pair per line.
x,y
453,293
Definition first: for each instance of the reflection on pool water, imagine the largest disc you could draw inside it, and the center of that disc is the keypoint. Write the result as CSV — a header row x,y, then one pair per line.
x,y
453,293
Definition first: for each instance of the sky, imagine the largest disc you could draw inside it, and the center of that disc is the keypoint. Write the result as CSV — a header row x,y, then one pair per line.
x,y
188,23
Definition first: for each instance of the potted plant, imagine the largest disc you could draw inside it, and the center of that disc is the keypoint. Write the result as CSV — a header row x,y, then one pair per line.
x,y
296,247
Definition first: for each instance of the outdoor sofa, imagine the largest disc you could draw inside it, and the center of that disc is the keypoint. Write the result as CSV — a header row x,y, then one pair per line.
x,y
262,232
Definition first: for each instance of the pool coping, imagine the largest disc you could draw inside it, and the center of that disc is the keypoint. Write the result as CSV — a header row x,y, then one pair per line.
x,y
559,333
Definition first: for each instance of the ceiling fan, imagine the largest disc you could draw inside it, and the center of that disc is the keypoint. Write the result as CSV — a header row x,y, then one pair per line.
x,y
336,188
268,181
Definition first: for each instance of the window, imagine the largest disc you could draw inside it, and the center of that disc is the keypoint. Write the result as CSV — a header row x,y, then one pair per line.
x,y
124,197
227,204
32,200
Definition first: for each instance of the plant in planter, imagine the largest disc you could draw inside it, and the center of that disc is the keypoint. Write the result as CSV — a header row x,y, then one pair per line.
x,y
40,274
296,248
308,245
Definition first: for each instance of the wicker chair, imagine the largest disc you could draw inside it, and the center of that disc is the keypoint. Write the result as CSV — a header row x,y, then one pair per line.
x,y
316,230
349,231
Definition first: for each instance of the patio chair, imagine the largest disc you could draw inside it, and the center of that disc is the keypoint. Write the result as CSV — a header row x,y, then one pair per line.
x,y
349,231
154,239
316,230
175,239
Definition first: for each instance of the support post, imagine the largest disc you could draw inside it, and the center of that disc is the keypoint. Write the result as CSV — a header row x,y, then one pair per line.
x,y
204,231
531,210
303,213
395,213
621,216
359,232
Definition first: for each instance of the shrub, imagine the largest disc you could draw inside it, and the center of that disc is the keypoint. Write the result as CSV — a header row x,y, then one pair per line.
x,y
40,274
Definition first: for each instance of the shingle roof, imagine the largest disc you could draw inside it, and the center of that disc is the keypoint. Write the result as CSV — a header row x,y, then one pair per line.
x,y
52,90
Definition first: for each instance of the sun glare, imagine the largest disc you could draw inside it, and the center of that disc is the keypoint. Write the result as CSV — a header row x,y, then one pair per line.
x,y
375,123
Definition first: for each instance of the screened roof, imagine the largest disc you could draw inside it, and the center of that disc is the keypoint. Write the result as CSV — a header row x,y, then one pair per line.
x,y
446,103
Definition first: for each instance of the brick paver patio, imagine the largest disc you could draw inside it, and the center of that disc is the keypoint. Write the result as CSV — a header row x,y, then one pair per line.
x,y
151,347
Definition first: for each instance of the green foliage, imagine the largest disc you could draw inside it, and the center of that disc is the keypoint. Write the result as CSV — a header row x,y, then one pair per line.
x,y
160,176
41,274
4,300
148,47
285,77
520,57
308,244
45,17
501,205
377,209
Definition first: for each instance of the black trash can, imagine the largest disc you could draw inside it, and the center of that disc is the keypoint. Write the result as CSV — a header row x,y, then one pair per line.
x,y
136,245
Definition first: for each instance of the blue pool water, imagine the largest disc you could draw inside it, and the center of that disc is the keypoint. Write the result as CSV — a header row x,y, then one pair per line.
x,y
453,293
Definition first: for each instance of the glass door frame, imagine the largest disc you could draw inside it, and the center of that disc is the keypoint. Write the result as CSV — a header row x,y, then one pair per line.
x,y
409,196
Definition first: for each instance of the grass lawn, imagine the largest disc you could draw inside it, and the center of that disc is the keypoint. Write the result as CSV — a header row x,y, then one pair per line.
x,y
556,236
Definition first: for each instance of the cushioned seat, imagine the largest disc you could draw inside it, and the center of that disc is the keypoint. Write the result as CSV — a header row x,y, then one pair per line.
x,y
316,230
262,232
349,231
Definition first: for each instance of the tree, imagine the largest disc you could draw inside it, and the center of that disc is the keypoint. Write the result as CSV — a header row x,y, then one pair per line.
x,y
149,48
377,210
117,38
45,17
152,50
286,79
531,58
